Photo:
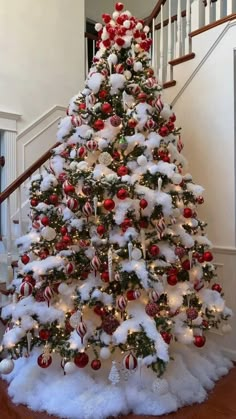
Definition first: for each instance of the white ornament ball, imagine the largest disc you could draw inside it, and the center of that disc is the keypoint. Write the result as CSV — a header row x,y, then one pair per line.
x,y
160,386
6,366
63,289
48,233
142,160
177,178
73,166
126,24
88,134
127,74
70,367
146,29
73,154
166,112
105,158
105,353
115,15
98,27
226,328
138,66
136,254
139,26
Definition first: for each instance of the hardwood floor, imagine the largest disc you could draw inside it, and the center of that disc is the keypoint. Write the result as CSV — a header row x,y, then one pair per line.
x,y
221,404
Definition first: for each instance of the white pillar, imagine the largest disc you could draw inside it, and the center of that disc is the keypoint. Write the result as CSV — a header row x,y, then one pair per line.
x,y
197,15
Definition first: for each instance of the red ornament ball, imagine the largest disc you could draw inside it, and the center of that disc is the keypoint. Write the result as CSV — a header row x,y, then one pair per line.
x,y
200,200
96,364
199,341
45,221
81,359
122,194
106,108
192,313
34,202
172,279
163,131
100,310
180,252
142,97
68,188
187,213
132,123
116,155
152,309
143,223
208,257
105,276
201,259
186,265
62,177
102,94
133,295
166,336
109,204
154,250
110,324
44,334
115,120
122,171
53,199
44,362
29,279
126,224
25,259
143,204
216,287
101,230
63,230
98,125
119,7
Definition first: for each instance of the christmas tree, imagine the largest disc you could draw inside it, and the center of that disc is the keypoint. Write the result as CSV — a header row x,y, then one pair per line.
x,y
115,274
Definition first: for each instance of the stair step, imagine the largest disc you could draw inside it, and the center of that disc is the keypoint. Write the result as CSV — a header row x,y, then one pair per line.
x,y
182,59
168,84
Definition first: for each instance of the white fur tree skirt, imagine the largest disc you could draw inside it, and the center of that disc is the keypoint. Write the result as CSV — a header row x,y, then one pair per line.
x,y
88,394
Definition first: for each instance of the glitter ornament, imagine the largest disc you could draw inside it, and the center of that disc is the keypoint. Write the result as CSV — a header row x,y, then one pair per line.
x,y
81,360
110,324
48,233
75,319
115,120
152,309
180,252
192,313
105,159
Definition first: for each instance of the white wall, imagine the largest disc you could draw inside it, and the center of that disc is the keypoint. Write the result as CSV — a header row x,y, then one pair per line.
x,y
42,55
141,9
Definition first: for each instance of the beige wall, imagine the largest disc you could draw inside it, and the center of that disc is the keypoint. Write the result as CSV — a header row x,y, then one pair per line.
x,y
139,8
42,55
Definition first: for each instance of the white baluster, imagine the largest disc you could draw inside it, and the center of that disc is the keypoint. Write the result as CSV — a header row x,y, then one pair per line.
x,y
153,45
161,69
188,28
175,37
197,15
231,7
219,9
9,244
208,13
20,209
169,54
178,43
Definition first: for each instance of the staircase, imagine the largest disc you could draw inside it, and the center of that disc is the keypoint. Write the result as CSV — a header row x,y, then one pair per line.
x,y
184,34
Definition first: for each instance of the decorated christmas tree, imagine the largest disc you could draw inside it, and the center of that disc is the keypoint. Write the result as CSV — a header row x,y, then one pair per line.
x,y
115,288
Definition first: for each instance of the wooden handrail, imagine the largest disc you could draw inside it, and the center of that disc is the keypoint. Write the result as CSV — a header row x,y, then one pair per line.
x,y
90,36
173,19
28,172
155,12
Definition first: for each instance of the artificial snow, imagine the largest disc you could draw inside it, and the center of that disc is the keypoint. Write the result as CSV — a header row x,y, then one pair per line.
x,y
84,394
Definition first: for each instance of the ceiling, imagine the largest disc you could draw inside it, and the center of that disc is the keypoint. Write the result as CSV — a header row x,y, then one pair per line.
x,y
139,8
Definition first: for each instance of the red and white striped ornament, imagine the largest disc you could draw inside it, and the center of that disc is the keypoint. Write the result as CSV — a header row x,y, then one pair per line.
x,y
150,82
117,276
158,104
92,145
91,99
72,203
119,68
87,209
130,61
95,263
84,243
150,124
76,120
133,295
153,296
115,120
180,145
48,294
81,152
130,362
36,224
160,226
121,303
135,90
104,72
70,268
81,330
26,289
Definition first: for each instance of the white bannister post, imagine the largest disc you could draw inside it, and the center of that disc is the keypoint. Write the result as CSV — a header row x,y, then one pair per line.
x,y
9,244
188,27
231,7
153,45
197,15
175,35
208,13
161,68
179,37
20,209
169,54
86,57
219,9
